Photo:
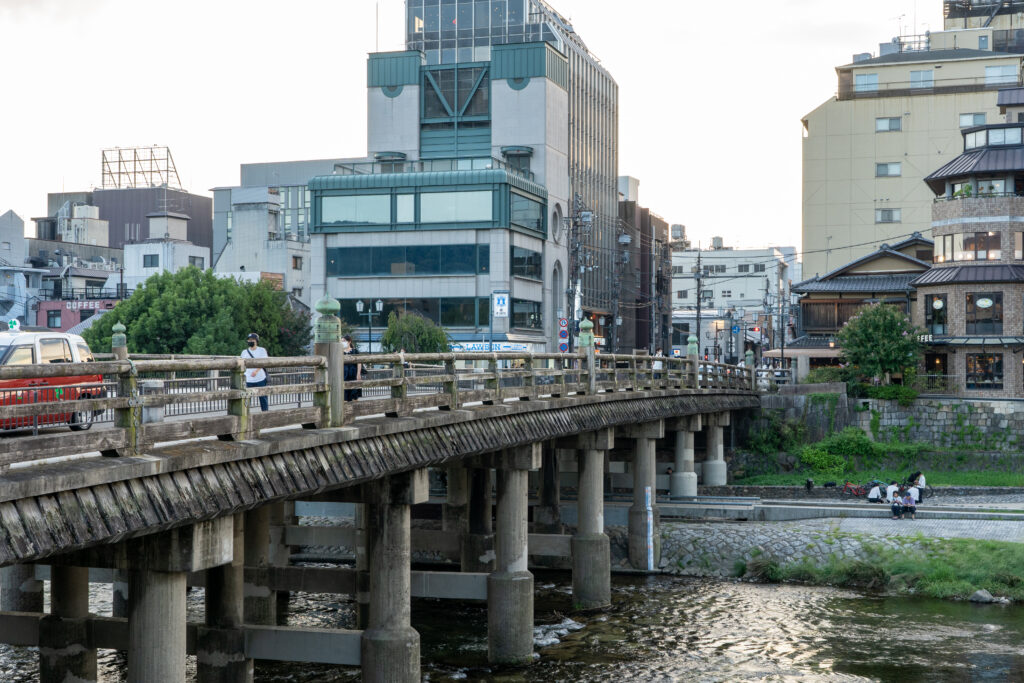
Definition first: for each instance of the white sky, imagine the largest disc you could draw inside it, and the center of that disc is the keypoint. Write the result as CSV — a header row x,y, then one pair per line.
x,y
711,93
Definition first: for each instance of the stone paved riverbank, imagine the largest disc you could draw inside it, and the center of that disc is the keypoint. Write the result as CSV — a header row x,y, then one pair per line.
x,y
712,549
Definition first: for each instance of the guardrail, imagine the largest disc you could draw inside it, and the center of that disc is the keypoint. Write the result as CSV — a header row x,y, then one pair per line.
x,y
148,400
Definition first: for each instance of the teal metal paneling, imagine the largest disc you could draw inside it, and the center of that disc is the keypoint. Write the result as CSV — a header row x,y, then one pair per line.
x,y
529,60
393,69
455,142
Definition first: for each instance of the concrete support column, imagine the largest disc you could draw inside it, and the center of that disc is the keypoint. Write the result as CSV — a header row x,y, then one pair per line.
x,y
591,550
644,539
64,653
221,651
260,601
362,569
20,590
478,544
455,513
714,466
279,554
683,482
510,586
156,626
390,646
547,515
119,594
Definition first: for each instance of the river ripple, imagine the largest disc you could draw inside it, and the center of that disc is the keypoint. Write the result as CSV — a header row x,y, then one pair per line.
x,y
676,629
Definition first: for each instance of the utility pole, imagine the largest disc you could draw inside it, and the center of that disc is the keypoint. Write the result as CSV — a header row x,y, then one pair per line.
x,y
782,329
580,222
697,275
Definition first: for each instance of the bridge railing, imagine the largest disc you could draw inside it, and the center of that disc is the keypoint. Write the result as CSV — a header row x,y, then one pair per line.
x,y
120,407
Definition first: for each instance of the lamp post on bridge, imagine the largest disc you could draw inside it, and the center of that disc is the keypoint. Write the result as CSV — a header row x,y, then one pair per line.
x,y
378,306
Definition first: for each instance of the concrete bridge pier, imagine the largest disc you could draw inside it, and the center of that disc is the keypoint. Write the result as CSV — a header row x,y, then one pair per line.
x,y
510,586
221,641
715,473
591,549
390,646
20,590
455,512
683,482
260,601
279,554
478,544
64,652
547,517
644,534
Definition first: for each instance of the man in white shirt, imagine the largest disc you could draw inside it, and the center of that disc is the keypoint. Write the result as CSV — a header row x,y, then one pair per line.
x,y
256,377
875,494
891,491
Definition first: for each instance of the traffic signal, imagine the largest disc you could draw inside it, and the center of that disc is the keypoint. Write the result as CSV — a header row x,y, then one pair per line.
x,y
755,329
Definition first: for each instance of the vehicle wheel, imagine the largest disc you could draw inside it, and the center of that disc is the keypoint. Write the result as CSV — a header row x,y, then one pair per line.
x,y
81,421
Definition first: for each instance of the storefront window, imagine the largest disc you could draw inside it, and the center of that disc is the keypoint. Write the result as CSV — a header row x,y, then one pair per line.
x,y
984,371
526,314
985,246
984,313
935,313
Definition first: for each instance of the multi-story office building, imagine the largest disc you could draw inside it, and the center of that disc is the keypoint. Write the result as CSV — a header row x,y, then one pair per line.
x,y
896,116
466,31
461,197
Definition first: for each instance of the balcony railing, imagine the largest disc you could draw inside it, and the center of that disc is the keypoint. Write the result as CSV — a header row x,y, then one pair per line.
x,y
849,91
85,293
428,166
979,195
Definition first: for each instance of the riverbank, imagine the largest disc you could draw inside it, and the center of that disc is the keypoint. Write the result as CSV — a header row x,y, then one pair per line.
x,y
894,556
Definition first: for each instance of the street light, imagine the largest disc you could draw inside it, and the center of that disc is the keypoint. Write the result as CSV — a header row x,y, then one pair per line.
x,y
379,306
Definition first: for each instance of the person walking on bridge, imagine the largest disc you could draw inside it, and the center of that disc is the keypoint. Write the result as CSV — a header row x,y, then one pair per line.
x,y
256,377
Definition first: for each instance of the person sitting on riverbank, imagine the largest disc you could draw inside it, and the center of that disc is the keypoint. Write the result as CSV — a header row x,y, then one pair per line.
x,y
897,509
909,505
875,494
890,492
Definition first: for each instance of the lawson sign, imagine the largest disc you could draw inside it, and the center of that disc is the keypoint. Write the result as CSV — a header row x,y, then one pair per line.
x,y
484,347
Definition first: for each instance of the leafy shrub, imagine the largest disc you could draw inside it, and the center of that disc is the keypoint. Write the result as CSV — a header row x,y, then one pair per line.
x,y
739,568
819,460
764,569
776,435
852,442
826,376
904,395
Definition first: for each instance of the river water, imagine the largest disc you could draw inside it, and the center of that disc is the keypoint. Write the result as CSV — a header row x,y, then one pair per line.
x,y
676,629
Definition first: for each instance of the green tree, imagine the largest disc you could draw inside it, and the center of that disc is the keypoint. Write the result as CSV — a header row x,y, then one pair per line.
x,y
880,341
195,312
415,334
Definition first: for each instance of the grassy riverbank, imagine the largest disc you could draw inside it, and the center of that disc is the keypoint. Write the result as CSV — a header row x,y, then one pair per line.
x,y
934,478
936,568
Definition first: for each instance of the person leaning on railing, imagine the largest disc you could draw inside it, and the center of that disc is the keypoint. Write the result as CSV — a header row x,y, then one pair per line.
x,y
256,377
353,371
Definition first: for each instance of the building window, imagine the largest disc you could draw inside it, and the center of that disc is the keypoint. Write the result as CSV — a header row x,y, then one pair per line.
x,y
888,124
726,293
683,294
706,294
526,213
528,264
991,186
865,82
978,139
447,259
744,268
921,79
984,371
758,267
982,246
297,292
456,207
982,42
364,209
53,319
888,215
1001,75
1018,245
971,120
151,260
296,263
197,261
984,313
889,170
405,208
935,313
526,314
1004,136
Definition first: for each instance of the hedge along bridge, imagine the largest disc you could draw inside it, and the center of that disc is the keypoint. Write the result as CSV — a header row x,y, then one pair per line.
x,y
206,500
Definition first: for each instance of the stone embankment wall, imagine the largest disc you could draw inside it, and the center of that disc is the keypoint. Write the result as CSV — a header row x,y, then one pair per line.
x,y
819,493
710,549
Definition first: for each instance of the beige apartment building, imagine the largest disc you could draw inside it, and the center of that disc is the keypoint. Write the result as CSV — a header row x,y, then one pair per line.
x,y
896,117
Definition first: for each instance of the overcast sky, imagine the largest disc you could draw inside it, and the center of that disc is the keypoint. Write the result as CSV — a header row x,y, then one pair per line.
x,y
711,93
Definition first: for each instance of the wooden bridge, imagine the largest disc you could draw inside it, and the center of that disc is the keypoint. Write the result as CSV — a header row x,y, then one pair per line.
x,y
182,479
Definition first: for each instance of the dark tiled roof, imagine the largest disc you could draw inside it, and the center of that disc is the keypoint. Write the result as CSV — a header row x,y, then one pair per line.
x,y
885,250
1011,97
900,282
988,160
809,342
1001,272
929,56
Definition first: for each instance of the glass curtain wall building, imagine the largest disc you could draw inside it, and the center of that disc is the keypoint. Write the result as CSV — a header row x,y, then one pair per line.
x,y
464,31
